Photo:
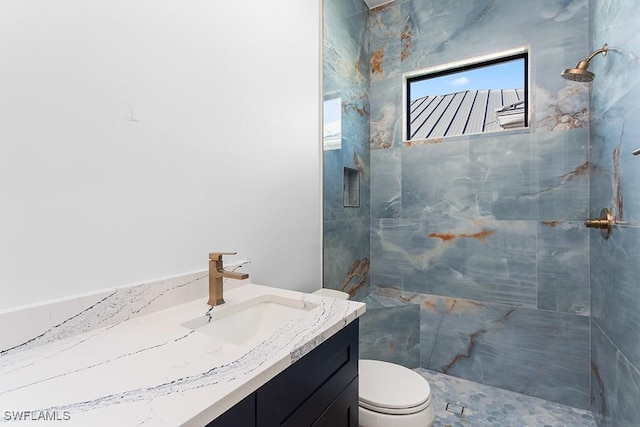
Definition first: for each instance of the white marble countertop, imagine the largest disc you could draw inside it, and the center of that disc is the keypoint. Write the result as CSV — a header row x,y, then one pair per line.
x,y
152,371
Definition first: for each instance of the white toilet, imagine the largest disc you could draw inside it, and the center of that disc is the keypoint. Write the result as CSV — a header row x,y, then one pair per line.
x,y
393,396
390,395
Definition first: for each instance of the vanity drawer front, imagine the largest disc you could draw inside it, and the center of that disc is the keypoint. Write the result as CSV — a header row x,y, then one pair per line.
x,y
304,390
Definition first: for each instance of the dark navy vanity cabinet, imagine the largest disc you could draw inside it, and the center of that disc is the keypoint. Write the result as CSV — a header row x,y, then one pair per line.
x,y
320,389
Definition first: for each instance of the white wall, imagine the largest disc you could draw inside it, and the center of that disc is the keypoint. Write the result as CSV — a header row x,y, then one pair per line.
x,y
136,136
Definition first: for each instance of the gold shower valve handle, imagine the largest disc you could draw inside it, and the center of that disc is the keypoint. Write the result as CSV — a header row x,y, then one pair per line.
x,y
604,223
597,223
605,220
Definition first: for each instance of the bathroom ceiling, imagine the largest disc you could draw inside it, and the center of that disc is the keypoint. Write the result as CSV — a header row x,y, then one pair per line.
x,y
376,3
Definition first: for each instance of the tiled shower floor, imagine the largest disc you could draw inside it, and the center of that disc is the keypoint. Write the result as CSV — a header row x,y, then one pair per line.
x,y
490,406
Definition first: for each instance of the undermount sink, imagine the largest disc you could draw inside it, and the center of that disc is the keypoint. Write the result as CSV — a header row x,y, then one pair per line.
x,y
248,321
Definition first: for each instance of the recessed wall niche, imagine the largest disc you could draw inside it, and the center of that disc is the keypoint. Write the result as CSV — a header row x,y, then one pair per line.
x,y
351,188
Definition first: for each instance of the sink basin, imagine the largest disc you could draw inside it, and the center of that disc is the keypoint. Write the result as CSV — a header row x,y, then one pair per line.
x,y
250,320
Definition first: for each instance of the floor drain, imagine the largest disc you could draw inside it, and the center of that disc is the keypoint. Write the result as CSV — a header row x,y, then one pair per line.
x,y
455,409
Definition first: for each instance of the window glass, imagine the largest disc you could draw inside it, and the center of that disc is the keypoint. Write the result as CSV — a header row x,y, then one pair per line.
x,y
487,96
332,126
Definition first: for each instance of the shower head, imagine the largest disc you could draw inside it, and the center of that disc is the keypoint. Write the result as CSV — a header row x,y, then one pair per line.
x,y
580,73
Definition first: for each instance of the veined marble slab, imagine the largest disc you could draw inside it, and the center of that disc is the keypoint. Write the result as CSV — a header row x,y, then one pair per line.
x,y
535,352
36,324
26,327
151,370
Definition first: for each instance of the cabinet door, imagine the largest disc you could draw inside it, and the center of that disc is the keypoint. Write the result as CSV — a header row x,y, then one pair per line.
x,y
343,411
243,414
303,392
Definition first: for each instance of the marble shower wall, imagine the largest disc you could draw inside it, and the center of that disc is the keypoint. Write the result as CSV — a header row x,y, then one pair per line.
x,y
484,234
615,184
346,251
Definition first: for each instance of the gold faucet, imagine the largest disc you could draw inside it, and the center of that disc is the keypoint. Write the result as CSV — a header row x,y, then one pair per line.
x,y
216,274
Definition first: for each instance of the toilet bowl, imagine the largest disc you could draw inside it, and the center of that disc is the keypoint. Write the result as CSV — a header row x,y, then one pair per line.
x,y
393,396
390,395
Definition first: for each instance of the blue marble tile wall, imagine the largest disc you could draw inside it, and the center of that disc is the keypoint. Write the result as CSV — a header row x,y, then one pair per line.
x,y
615,184
346,251
484,233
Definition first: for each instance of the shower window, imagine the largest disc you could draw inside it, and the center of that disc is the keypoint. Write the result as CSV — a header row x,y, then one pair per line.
x,y
488,94
332,123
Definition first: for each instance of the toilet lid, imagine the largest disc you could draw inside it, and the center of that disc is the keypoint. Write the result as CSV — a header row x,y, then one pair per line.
x,y
392,389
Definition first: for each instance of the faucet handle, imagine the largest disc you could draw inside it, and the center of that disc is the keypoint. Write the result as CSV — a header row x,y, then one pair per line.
x,y
217,256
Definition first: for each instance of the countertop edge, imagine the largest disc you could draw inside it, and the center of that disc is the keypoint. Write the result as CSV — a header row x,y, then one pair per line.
x,y
236,396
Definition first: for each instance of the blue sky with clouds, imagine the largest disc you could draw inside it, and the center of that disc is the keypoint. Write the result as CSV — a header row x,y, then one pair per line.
x,y
507,75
